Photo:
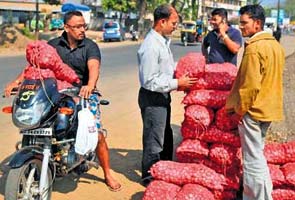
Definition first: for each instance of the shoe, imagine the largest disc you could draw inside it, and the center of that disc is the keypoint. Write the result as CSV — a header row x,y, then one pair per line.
x,y
146,180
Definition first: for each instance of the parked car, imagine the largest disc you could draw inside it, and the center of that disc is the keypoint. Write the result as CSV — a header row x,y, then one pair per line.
x,y
113,31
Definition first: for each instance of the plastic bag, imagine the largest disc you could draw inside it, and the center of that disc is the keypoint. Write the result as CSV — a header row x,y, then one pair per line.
x,y
87,138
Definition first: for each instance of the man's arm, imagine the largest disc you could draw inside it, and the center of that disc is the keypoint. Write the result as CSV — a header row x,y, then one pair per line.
x,y
13,84
231,44
93,68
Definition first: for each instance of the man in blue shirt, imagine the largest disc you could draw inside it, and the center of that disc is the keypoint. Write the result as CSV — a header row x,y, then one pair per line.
x,y
224,41
156,70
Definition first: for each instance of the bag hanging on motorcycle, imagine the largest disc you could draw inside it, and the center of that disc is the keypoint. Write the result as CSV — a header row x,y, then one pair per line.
x,y
86,138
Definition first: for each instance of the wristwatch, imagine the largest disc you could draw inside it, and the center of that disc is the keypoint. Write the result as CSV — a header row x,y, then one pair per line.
x,y
224,37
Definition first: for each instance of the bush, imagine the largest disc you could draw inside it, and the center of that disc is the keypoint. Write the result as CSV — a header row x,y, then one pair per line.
x,y
26,32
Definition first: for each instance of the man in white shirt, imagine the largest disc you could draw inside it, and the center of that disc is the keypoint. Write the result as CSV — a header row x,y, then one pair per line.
x,y
156,70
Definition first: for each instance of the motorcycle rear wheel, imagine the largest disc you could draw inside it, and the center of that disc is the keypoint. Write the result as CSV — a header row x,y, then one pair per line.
x,y
19,178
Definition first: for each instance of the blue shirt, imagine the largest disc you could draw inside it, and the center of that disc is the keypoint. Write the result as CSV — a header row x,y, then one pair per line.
x,y
219,53
156,64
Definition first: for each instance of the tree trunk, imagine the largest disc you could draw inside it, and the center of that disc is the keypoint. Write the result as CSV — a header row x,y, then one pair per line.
x,y
142,6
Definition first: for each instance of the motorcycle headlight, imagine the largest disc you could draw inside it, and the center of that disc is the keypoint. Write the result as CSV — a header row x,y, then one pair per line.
x,y
31,117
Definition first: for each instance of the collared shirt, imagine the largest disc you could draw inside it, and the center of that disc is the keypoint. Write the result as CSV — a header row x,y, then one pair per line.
x,y
77,58
219,52
156,64
258,87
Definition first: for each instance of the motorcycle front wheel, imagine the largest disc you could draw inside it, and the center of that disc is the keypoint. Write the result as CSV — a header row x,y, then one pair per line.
x,y
23,182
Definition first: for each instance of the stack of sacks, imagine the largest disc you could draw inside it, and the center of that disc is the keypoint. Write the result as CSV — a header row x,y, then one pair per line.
x,y
209,156
281,162
209,135
184,181
44,62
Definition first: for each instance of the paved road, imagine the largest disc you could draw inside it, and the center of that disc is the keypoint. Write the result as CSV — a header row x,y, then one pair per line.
x,y
118,59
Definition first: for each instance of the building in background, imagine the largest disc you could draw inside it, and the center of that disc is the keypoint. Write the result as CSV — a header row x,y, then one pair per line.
x,y
19,11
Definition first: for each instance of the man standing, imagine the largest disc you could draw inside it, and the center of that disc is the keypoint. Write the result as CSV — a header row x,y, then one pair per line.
x,y
224,41
156,69
256,99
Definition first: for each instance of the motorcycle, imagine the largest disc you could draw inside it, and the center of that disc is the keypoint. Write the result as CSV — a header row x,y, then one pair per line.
x,y
47,119
134,35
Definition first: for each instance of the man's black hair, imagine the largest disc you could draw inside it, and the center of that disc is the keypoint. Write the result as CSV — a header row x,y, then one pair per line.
x,y
221,12
163,12
70,14
255,12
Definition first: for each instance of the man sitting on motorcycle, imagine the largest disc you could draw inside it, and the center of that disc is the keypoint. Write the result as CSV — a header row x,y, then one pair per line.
x,y
83,56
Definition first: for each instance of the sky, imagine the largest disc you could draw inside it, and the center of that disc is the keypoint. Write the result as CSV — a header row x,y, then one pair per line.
x,y
270,2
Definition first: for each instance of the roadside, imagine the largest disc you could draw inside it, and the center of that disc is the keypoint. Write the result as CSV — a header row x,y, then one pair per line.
x,y
18,43
123,121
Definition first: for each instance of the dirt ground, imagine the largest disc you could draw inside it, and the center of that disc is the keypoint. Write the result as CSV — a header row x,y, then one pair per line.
x,y
285,130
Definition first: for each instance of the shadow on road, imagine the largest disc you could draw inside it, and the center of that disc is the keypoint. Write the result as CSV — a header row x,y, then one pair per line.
x,y
124,161
137,196
3,174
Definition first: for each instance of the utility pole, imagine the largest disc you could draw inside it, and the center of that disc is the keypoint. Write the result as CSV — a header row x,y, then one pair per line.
x,y
278,16
37,20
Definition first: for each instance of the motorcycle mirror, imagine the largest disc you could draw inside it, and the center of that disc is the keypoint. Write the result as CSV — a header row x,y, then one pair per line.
x,y
104,102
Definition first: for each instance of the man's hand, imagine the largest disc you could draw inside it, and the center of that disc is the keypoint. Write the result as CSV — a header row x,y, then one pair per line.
x,y
9,87
186,82
86,91
236,118
222,28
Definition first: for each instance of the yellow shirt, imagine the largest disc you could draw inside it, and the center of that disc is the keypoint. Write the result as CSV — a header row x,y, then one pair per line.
x,y
258,88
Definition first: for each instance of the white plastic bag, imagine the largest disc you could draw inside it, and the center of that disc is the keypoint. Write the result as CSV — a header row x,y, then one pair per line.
x,y
87,136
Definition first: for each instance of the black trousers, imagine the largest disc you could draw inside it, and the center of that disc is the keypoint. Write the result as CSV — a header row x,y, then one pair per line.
x,y
157,137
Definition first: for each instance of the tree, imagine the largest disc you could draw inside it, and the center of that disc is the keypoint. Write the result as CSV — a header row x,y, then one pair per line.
x,y
289,7
123,6
255,1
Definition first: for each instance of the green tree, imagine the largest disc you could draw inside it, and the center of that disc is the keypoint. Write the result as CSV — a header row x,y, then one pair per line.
x,y
152,4
123,6
255,1
289,7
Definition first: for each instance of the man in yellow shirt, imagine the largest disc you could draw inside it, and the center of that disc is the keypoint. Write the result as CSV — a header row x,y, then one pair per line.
x,y
256,99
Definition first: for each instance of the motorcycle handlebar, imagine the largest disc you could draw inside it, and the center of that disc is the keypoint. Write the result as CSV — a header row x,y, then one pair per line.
x,y
74,92
13,92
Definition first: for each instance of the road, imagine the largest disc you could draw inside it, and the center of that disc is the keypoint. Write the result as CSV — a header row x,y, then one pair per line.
x,y
119,84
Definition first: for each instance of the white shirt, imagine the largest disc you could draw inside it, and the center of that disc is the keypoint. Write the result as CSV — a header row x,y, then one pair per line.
x,y
156,64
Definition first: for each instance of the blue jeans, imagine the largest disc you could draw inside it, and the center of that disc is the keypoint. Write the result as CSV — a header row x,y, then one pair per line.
x,y
256,180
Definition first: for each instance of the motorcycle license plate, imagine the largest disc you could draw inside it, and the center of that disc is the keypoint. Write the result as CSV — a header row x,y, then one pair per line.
x,y
38,131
